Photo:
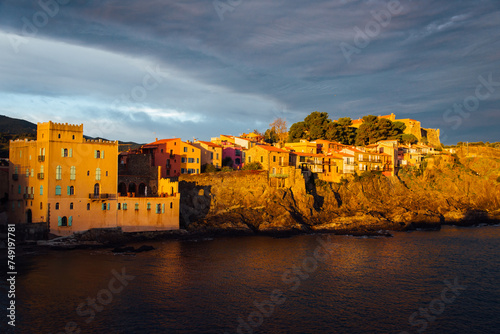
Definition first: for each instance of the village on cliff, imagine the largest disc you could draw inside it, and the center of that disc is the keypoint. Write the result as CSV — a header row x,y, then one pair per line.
x,y
65,183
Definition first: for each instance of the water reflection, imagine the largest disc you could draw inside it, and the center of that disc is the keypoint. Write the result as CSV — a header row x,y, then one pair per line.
x,y
367,285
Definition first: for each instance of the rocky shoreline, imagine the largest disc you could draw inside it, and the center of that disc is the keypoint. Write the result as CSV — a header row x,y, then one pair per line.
x,y
117,241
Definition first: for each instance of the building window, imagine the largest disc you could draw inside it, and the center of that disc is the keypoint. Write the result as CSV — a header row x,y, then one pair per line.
x,y
59,136
62,221
72,175
41,190
190,160
73,137
261,158
58,172
88,173
274,158
27,172
137,206
41,205
98,174
148,206
249,159
171,205
88,206
183,160
19,189
124,206
158,208
97,154
103,207
32,172
71,206
57,206
58,190
64,152
185,149
106,173
211,155
96,189
118,206
197,160
71,190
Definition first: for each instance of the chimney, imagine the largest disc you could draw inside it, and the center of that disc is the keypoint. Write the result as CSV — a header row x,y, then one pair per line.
x,y
156,139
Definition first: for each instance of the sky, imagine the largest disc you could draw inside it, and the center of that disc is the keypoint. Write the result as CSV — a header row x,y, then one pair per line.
x,y
139,70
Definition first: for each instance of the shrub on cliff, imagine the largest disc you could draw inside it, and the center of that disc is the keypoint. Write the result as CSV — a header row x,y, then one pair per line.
x,y
226,169
498,179
208,168
252,166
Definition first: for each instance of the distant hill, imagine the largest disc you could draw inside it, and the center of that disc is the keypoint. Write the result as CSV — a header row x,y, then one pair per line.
x,y
14,128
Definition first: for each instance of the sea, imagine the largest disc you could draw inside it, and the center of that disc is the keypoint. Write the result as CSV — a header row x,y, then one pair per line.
x,y
445,281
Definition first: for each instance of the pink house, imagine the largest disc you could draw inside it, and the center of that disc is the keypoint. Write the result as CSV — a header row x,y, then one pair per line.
x,y
235,152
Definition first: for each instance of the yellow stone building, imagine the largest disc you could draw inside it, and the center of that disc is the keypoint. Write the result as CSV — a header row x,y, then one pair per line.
x,y
210,153
303,146
272,159
70,183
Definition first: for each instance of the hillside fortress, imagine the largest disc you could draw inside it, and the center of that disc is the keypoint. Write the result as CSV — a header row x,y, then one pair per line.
x,y
412,127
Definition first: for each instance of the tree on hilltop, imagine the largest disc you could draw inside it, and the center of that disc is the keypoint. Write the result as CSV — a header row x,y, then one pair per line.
x,y
341,131
375,129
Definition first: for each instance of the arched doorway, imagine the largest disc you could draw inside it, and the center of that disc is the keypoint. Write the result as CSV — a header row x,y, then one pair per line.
x,y
131,188
122,189
142,189
29,216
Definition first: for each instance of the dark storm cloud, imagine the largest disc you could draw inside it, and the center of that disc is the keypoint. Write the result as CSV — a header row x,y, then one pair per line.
x,y
263,60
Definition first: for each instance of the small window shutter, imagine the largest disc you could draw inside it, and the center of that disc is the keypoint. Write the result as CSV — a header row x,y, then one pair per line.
x,y
59,221
69,190
102,154
71,153
95,153
163,208
62,152
70,220
109,206
104,206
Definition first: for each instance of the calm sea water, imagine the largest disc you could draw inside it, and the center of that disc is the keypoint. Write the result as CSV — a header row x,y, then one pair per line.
x,y
431,282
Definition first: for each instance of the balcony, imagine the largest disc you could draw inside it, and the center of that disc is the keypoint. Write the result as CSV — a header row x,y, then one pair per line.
x,y
41,158
101,196
40,176
15,177
28,196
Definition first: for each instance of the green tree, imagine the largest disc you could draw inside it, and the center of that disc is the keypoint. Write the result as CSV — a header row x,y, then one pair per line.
x,y
297,131
409,138
270,136
375,129
317,124
341,131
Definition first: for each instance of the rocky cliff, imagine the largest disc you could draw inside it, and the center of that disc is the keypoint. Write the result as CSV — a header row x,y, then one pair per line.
x,y
426,197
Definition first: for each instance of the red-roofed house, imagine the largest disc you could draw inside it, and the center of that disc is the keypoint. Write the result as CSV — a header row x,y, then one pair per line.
x,y
271,158
210,153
